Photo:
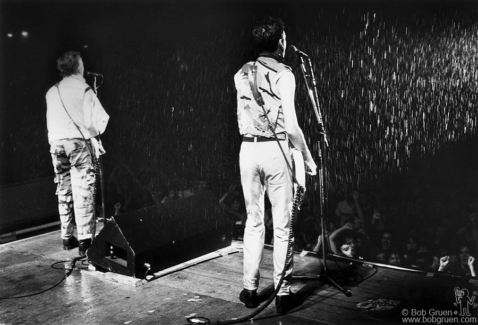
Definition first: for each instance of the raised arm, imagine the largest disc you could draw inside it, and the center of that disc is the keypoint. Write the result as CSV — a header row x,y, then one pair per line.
x,y
333,247
443,263
471,260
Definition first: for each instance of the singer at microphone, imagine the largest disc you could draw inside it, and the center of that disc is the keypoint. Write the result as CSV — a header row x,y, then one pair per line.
x,y
74,118
264,156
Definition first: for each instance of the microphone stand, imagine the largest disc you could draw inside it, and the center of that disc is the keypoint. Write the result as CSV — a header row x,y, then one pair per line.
x,y
321,167
102,180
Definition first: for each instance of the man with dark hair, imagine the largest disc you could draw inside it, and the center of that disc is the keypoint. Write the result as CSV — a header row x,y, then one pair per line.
x,y
74,117
268,130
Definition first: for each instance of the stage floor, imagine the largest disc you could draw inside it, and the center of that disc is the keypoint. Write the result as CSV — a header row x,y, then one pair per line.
x,y
210,289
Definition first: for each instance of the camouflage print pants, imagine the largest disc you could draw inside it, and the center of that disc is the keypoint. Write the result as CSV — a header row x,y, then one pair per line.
x,y
75,176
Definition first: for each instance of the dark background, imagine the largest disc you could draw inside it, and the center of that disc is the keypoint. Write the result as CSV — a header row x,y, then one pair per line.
x,y
397,82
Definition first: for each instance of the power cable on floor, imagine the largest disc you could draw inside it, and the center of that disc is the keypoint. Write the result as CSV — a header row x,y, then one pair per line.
x,y
68,271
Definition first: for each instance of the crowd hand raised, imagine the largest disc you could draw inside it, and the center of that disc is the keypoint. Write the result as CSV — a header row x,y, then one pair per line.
x,y
348,225
472,217
444,261
471,259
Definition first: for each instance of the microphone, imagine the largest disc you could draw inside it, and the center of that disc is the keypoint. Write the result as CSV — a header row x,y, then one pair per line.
x,y
296,51
93,74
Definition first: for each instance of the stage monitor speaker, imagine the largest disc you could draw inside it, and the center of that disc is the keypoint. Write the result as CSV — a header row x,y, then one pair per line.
x,y
162,236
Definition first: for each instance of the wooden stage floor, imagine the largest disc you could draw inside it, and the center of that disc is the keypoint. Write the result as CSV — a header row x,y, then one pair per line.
x,y
210,289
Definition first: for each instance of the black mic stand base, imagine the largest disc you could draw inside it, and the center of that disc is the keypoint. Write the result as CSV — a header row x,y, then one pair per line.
x,y
323,278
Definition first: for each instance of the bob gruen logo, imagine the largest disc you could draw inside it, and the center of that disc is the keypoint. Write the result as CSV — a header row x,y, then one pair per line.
x,y
464,300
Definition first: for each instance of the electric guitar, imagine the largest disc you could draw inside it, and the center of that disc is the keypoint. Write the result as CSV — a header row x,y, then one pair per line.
x,y
299,173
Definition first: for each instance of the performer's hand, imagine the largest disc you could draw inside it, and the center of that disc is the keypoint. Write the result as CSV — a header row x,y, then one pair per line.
x,y
97,147
101,149
310,167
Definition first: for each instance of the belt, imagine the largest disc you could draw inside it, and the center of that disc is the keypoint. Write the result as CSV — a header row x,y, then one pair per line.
x,y
281,137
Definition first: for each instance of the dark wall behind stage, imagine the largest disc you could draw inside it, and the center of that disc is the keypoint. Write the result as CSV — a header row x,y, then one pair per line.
x,y
397,82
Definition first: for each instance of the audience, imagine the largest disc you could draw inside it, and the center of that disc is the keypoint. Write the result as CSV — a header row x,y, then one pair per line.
x,y
233,203
423,236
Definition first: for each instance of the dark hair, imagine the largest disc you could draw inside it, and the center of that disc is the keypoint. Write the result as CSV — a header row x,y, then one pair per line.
x,y
68,63
268,33
468,245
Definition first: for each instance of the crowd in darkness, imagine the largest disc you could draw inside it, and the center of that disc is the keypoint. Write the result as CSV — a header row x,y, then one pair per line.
x,y
128,191
416,224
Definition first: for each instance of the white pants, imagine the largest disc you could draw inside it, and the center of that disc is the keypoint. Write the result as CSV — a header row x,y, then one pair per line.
x,y
263,168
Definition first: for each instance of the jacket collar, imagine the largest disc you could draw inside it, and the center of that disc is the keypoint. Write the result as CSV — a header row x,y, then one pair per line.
x,y
274,56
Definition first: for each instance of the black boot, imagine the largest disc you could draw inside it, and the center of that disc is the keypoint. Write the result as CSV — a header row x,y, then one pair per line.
x,y
249,298
70,243
83,246
286,303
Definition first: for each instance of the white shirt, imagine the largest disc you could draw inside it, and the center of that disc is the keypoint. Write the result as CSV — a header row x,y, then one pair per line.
x,y
82,106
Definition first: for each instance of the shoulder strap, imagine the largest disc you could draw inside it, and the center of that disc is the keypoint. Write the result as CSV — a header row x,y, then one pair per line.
x,y
252,76
61,99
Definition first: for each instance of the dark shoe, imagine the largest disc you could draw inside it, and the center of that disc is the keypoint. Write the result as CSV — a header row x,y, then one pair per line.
x,y
70,243
285,303
249,298
83,247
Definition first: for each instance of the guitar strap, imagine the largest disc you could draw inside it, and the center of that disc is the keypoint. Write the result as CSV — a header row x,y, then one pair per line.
x,y
252,76
73,121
